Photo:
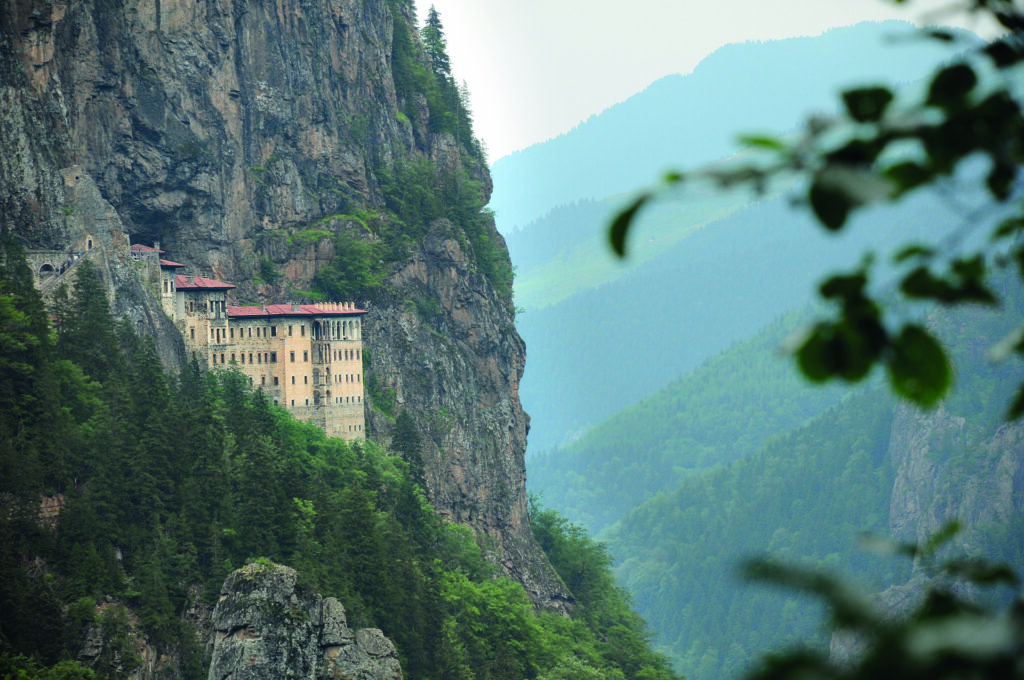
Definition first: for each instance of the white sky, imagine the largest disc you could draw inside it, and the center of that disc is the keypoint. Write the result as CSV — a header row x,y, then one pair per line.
x,y
536,68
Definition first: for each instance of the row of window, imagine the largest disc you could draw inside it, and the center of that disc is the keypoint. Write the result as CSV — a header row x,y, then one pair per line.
x,y
211,306
261,332
349,377
261,357
348,355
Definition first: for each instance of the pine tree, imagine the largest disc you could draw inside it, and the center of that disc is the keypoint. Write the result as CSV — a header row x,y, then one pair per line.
x,y
436,45
87,337
406,441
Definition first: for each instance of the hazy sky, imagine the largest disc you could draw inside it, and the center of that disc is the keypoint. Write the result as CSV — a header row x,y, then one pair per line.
x,y
536,68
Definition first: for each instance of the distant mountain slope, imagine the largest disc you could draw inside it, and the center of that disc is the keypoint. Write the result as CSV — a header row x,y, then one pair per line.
x,y
694,119
686,427
865,464
607,347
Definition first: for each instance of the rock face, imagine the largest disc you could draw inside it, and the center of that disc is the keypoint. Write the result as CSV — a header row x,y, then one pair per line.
x,y
221,128
943,473
267,628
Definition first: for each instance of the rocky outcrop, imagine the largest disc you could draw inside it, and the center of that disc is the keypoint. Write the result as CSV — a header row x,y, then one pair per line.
x,y
222,128
944,471
267,627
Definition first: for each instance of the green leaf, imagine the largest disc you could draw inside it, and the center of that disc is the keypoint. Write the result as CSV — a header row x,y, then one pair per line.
x,y
918,367
908,175
867,104
622,222
966,283
815,356
1001,178
847,287
847,349
915,250
1017,407
1004,53
1010,227
830,204
762,142
857,152
951,85
941,35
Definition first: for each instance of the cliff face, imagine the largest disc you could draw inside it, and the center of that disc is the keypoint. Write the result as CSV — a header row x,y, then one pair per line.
x,y
943,473
266,627
222,128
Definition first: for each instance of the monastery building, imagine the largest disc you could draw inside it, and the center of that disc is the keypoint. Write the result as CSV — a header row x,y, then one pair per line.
x,y
307,358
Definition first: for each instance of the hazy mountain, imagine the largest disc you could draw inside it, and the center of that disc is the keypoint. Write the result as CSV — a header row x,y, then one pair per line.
x,y
695,119
606,347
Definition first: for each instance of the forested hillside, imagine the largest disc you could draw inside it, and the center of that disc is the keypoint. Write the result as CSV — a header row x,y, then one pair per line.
x,y
733,461
609,346
129,494
685,428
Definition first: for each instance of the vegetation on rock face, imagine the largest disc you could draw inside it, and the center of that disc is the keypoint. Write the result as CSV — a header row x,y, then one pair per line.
x,y
124,487
419,191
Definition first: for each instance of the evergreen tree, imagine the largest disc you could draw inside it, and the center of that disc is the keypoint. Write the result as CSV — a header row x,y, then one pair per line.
x,y
407,442
87,337
436,45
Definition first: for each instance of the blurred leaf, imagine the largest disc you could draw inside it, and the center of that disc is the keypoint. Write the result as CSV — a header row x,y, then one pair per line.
x,y
843,286
909,175
966,283
983,573
884,545
965,634
941,35
918,367
857,152
1010,227
1013,341
850,607
951,85
762,142
912,251
1000,179
1005,53
846,350
1017,407
622,222
830,204
867,104
815,356
941,537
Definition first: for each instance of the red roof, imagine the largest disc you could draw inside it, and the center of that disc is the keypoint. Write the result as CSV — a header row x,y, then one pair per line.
x,y
169,263
181,282
318,309
139,248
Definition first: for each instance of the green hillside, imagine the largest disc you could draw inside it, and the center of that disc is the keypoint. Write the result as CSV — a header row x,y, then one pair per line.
x,y
154,487
742,458
686,427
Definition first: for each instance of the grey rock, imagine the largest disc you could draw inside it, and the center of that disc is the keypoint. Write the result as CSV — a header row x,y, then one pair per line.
x,y
267,627
217,128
